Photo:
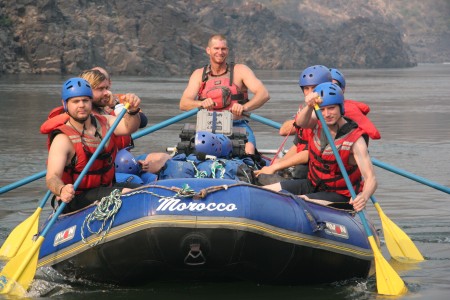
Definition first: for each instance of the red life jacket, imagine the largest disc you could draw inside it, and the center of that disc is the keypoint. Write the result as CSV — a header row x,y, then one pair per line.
x,y
56,118
354,110
102,170
302,138
121,142
221,89
324,172
357,111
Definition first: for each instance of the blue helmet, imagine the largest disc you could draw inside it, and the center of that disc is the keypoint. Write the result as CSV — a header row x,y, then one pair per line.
x,y
338,76
208,143
227,145
126,163
75,87
331,94
314,75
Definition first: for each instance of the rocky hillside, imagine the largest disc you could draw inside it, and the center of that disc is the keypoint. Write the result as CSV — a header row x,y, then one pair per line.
x,y
156,37
424,25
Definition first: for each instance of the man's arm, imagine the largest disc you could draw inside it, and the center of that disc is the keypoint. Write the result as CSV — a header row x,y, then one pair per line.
x,y
131,121
291,152
254,85
287,128
58,155
299,158
362,158
189,100
305,117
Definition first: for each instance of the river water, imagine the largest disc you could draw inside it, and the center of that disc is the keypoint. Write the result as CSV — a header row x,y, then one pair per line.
x,y
411,108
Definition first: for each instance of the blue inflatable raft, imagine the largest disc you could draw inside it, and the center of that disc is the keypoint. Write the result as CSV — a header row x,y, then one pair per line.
x,y
213,229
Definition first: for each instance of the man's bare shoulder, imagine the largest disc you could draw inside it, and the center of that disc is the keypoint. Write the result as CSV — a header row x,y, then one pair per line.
x,y
197,74
242,67
243,73
61,142
61,137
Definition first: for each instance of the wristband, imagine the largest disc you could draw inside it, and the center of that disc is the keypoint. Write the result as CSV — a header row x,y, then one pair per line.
x,y
132,113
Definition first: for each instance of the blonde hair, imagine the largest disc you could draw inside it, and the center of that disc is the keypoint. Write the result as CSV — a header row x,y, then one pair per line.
x,y
94,77
103,71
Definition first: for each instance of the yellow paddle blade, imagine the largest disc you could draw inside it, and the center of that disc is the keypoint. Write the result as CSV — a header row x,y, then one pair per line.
x,y
399,244
21,237
388,281
18,273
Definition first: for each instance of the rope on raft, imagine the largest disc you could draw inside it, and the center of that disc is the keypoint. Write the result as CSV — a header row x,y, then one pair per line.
x,y
106,210
108,207
316,222
184,192
216,166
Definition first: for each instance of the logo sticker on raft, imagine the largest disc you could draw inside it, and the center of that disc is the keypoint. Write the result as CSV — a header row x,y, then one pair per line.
x,y
65,235
336,230
174,204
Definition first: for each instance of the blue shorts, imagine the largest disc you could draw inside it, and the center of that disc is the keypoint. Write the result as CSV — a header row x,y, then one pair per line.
x,y
250,134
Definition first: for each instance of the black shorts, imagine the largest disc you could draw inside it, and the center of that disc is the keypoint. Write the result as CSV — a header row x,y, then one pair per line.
x,y
300,171
90,196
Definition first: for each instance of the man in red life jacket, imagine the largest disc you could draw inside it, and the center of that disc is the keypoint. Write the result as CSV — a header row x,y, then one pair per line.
x,y
325,180
115,102
101,95
355,110
101,101
72,143
220,86
297,155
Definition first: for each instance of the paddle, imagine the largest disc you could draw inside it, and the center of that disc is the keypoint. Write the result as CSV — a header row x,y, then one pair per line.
x,y
22,236
262,120
135,136
388,281
399,244
165,123
411,176
18,273
255,117
376,162
21,182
